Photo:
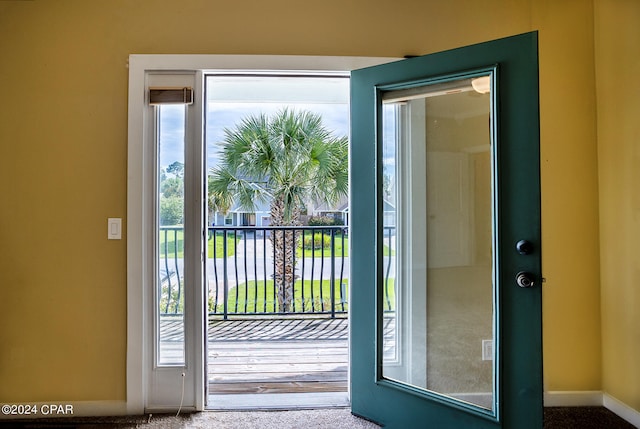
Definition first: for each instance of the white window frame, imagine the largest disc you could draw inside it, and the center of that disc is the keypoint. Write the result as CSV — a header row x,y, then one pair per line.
x,y
141,197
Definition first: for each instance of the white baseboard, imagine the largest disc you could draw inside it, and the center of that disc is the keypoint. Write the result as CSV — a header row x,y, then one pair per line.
x,y
621,409
587,398
54,409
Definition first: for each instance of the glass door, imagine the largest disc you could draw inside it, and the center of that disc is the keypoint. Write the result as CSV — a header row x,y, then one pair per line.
x,y
445,183
173,239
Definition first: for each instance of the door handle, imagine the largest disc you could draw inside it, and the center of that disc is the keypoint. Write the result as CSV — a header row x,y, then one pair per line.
x,y
524,279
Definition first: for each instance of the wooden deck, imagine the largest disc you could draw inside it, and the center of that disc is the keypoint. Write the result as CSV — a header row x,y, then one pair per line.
x,y
272,363
277,356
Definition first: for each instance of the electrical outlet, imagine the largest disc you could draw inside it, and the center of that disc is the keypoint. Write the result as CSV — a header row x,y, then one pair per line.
x,y
487,349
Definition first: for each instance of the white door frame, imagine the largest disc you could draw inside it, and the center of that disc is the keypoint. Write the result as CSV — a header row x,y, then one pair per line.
x,y
140,207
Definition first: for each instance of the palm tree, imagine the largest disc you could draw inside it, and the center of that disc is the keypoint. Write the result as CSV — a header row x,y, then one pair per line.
x,y
288,160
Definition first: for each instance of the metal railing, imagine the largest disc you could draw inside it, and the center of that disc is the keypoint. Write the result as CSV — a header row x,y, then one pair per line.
x,y
171,277
243,270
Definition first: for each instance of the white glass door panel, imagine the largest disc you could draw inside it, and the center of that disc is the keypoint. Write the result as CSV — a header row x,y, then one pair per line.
x,y
174,248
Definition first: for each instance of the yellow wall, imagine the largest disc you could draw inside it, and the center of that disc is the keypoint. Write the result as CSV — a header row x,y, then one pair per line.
x,y
571,311
618,91
63,129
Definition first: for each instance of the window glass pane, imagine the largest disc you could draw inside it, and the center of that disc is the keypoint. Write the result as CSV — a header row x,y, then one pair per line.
x,y
438,240
170,239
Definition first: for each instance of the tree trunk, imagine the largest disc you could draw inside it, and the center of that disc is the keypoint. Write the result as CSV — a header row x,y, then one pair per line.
x,y
284,243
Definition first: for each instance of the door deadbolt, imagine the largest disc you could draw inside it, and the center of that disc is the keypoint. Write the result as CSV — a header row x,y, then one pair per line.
x,y
524,279
524,247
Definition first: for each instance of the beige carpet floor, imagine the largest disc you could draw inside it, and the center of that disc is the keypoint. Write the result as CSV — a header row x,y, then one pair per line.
x,y
334,418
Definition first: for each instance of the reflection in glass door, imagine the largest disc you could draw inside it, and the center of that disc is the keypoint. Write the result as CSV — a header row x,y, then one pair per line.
x,y
437,173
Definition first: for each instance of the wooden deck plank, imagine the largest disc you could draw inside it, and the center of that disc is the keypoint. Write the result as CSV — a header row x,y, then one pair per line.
x,y
279,377
279,329
277,348
271,356
293,387
282,359
277,356
264,371
271,344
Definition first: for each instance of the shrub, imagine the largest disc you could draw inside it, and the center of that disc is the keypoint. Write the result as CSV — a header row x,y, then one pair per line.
x,y
318,241
324,221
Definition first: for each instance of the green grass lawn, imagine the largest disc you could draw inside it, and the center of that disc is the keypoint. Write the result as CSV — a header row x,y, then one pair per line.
x,y
255,296
218,240
260,298
167,244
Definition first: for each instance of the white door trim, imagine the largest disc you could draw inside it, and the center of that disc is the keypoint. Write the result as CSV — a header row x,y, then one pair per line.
x,y
140,200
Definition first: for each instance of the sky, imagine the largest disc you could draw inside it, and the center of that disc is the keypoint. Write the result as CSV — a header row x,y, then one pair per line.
x,y
231,98
335,117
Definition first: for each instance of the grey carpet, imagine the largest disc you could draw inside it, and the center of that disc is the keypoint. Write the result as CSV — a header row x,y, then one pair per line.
x,y
334,418
583,418
554,418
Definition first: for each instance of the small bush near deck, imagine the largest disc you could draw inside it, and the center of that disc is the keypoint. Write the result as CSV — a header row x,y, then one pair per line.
x,y
318,241
324,221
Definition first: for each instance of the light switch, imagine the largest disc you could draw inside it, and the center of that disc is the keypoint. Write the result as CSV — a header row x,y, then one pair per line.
x,y
114,228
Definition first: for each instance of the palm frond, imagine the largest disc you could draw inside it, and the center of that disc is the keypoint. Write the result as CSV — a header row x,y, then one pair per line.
x,y
291,157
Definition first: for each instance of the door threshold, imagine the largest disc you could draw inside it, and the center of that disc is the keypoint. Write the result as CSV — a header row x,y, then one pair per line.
x,y
278,401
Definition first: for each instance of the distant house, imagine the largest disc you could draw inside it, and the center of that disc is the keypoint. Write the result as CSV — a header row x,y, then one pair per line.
x,y
341,212
261,216
389,214
238,216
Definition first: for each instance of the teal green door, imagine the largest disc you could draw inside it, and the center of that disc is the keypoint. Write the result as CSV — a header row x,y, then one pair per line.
x,y
446,274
